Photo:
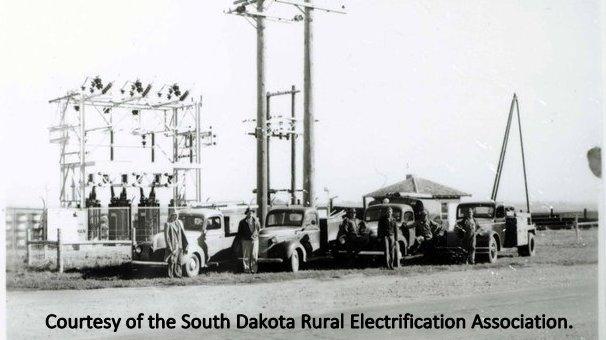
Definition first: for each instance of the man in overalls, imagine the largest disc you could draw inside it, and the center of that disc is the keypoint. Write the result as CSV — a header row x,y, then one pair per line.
x,y
176,244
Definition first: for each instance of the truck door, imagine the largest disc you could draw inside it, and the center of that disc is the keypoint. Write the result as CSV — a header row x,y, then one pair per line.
x,y
312,230
499,225
215,236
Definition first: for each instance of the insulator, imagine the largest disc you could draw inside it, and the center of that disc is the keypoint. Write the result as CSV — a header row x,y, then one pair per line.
x,y
106,88
147,89
185,94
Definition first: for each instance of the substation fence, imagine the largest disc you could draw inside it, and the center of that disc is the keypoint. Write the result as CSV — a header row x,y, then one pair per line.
x,y
96,230
60,246
18,222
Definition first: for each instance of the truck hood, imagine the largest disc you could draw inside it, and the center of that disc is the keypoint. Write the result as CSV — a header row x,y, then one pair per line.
x,y
372,227
158,241
485,225
279,232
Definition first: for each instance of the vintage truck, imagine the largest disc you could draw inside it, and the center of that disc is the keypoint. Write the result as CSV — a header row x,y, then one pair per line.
x,y
216,245
295,234
370,244
500,226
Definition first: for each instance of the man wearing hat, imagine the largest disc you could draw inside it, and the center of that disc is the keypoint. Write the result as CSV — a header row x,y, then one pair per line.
x,y
248,232
176,243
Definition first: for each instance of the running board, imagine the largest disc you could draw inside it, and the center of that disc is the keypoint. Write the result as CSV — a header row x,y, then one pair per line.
x,y
148,263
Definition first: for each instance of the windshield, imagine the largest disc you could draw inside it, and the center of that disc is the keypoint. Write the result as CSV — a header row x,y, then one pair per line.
x,y
479,211
192,223
285,218
374,214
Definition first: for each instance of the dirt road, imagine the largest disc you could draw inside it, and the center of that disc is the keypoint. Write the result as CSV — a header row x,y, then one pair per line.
x,y
561,291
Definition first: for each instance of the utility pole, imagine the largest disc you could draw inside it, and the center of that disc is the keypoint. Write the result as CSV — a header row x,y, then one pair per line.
x,y
268,115
293,150
308,111
262,185
259,17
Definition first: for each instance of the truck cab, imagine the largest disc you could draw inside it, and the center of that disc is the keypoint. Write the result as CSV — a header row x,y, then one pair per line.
x,y
293,235
500,226
369,242
210,234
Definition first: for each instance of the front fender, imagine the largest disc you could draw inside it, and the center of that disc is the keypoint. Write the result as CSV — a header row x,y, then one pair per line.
x,y
483,239
285,250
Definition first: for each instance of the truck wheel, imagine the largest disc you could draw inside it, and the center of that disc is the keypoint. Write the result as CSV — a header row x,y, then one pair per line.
x,y
294,262
492,255
191,268
527,250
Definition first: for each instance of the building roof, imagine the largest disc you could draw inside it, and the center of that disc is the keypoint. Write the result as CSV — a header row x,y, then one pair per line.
x,y
417,186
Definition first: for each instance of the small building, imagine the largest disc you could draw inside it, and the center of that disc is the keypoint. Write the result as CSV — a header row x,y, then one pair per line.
x,y
440,200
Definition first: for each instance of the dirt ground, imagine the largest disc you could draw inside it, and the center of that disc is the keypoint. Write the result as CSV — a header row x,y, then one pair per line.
x,y
493,292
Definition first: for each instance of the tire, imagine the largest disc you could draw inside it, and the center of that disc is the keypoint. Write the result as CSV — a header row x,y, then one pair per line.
x,y
191,268
294,262
492,255
529,249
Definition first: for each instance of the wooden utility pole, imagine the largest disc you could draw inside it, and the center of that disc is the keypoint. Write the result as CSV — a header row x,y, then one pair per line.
x,y
308,121
523,156
308,111
261,133
293,150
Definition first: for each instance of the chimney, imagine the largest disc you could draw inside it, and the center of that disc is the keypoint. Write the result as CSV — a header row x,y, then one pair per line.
x,y
414,183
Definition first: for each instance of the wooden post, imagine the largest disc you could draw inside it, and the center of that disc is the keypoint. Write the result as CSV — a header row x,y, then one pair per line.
x,y
28,252
293,150
59,258
133,243
309,192
261,131
576,226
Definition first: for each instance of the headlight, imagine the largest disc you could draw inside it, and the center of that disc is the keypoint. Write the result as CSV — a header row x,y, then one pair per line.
x,y
272,241
138,250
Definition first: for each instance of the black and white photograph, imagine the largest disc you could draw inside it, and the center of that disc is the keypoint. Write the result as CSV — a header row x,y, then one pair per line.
x,y
296,169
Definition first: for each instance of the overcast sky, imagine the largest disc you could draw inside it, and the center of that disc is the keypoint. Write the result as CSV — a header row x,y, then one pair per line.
x,y
419,87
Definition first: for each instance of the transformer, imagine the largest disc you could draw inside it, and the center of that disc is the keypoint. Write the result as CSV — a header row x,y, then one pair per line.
x,y
148,216
119,216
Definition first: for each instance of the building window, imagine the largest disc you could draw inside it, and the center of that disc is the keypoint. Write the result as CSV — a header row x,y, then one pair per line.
x,y
444,211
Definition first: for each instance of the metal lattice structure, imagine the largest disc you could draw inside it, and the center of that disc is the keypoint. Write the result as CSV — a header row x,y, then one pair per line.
x,y
96,122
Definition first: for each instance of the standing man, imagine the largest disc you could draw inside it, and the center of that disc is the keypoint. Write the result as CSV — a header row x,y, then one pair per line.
x,y
176,244
386,231
466,229
248,232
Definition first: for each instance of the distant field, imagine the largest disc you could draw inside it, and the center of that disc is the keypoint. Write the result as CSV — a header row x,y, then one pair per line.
x,y
554,248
